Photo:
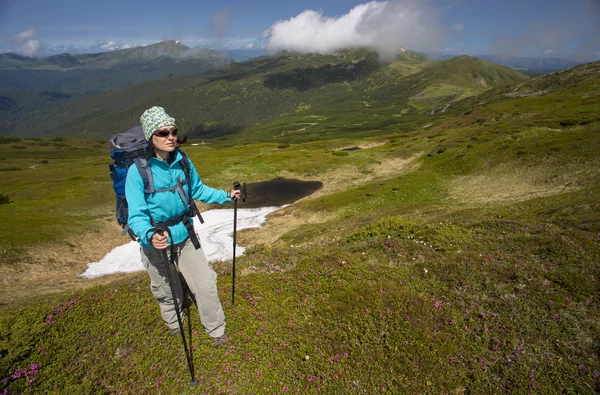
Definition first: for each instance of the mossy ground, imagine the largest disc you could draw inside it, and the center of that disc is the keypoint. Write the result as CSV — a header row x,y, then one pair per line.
x,y
403,306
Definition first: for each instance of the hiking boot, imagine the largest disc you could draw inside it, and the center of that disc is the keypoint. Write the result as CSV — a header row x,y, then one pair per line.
x,y
220,340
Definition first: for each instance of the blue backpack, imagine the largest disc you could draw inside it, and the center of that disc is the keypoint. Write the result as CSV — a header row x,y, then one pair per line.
x,y
129,148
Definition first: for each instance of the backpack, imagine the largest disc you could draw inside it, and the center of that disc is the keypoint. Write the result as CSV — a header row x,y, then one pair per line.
x,y
129,148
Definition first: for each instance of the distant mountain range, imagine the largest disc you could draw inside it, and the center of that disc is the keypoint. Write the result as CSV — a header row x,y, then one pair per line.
x,y
538,65
350,91
241,55
108,70
213,95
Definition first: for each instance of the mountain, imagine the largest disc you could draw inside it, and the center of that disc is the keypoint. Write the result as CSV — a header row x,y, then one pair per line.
x,y
349,92
12,60
532,66
452,79
169,49
102,71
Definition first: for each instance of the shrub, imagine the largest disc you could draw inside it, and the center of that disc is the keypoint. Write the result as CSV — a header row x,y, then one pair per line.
x,y
4,199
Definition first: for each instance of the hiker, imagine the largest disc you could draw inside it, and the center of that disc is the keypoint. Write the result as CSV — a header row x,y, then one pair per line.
x,y
148,211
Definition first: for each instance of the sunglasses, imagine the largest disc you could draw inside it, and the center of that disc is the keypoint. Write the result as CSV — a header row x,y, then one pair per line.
x,y
166,132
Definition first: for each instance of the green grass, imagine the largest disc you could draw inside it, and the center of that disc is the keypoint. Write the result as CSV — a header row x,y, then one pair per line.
x,y
59,189
497,305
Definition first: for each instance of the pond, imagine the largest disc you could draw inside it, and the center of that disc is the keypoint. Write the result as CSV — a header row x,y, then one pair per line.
x,y
279,192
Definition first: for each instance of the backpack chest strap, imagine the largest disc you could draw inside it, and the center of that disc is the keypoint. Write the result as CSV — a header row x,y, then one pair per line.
x,y
178,187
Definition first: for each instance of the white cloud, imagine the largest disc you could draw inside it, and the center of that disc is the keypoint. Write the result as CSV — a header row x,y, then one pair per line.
x,y
109,46
548,52
387,26
26,43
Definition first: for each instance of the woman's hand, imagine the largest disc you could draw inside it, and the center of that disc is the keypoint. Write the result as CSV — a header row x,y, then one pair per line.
x,y
160,242
235,194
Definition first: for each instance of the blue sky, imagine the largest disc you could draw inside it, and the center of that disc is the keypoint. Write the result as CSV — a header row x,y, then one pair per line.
x,y
510,27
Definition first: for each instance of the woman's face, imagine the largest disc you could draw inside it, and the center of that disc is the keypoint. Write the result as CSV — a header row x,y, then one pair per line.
x,y
163,141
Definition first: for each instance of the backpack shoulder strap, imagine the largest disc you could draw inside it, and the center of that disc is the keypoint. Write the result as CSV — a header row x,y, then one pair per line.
x,y
146,174
185,165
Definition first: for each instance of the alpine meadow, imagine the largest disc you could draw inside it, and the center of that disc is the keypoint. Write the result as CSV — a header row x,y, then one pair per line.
x,y
449,243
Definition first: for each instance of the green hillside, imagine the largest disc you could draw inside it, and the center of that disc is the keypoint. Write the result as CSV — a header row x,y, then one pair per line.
x,y
350,92
17,102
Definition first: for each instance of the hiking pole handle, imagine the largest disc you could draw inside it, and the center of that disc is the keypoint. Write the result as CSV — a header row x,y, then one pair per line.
x,y
242,188
236,187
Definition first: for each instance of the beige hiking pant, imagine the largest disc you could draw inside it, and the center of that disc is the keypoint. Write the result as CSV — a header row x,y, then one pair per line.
x,y
200,277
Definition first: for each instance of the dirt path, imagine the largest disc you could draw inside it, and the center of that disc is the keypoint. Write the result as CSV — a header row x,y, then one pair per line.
x,y
47,269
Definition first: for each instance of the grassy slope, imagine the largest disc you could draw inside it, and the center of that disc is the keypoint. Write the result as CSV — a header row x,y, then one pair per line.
x,y
481,263
350,92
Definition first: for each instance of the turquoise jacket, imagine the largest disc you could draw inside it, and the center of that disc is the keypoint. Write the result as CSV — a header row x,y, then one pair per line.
x,y
163,206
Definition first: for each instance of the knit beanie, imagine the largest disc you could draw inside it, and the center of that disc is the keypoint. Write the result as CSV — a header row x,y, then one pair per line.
x,y
153,119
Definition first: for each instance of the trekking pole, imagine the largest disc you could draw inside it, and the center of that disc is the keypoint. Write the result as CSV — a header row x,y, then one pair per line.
x,y
236,186
188,353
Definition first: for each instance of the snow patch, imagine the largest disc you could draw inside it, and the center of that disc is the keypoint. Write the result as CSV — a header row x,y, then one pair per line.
x,y
216,238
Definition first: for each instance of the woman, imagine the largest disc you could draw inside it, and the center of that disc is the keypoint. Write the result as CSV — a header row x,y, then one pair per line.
x,y
167,207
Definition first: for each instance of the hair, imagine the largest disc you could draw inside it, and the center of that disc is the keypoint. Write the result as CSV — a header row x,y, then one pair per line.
x,y
151,152
182,140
